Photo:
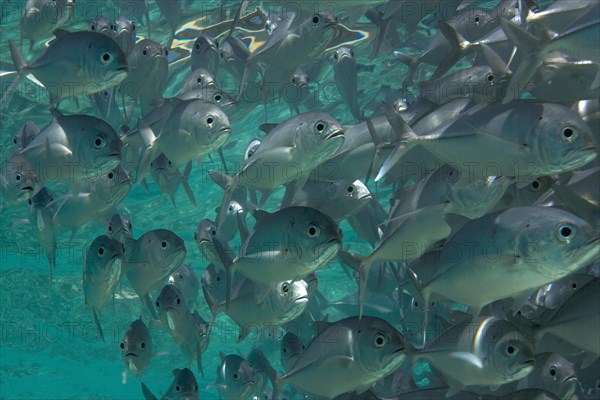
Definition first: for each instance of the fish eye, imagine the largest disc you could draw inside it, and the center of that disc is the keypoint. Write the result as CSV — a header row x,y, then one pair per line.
x,y
380,340
491,78
178,301
565,232
216,44
535,185
350,189
236,376
177,388
320,127
110,228
122,345
145,51
132,26
335,55
157,304
196,387
18,177
93,27
303,347
574,285
164,244
510,350
15,140
199,79
316,19
143,345
294,80
352,52
129,225
568,134
166,51
552,371
197,46
169,162
209,121
218,278
213,231
218,98
99,142
106,58
477,19
111,175
285,288
101,251
313,231
29,202
113,27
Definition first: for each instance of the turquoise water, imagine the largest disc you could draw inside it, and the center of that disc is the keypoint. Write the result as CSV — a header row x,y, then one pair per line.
x,y
49,346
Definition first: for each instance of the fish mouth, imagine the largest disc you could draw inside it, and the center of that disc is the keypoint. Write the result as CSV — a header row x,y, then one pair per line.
x,y
27,189
301,299
131,355
571,378
123,68
336,133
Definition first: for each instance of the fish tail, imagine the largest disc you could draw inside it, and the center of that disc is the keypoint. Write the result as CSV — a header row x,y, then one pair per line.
x,y
147,393
406,137
97,322
363,276
185,183
21,66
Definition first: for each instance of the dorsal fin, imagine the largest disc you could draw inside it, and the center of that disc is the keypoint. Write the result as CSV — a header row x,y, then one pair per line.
x,y
267,128
259,215
60,33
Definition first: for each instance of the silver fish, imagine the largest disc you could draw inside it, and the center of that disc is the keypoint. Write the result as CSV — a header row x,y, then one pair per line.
x,y
212,245
19,181
199,78
136,348
185,279
41,212
312,240
101,24
184,387
205,54
59,69
554,374
352,353
168,178
119,227
124,33
40,18
346,79
101,274
75,147
490,352
291,348
135,9
26,134
171,10
151,259
235,378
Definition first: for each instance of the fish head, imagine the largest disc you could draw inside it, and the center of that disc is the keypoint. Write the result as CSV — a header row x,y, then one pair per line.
x,y
200,78
209,125
184,386
291,298
136,346
344,54
237,375
354,193
563,243
205,52
164,250
96,143
112,186
205,235
18,179
291,348
505,348
300,77
107,62
124,33
565,140
319,135
319,29
251,149
119,227
104,256
556,374
171,305
26,134
102,25
313,237
380,347
162,168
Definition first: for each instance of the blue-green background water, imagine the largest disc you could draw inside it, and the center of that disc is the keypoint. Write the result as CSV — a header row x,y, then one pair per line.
x,y
49,347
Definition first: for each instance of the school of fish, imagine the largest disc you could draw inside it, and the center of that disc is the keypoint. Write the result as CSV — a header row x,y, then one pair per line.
x,y
451,181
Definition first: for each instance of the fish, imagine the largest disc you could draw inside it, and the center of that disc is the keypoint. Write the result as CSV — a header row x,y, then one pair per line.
x,y
263,371
168,178
171,10
137,9
101,274
346,79
312,240
26,134
570,143
555,374
102,25
92,199
577,322
41,212
106,104
235,378
59,69
488,352
214,248
229,225
148,73
183,325
19,180
124,33
199,78
153,256
74,148
205,54
345,351
40,18
297,89
183,387
185,279
193,129
291,348
551,243
136,348
120,228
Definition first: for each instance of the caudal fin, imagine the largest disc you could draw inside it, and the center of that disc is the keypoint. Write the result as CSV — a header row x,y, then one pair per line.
x,y
21,67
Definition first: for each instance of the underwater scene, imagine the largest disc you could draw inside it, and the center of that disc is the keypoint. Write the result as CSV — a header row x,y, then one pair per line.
x,y
300,199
